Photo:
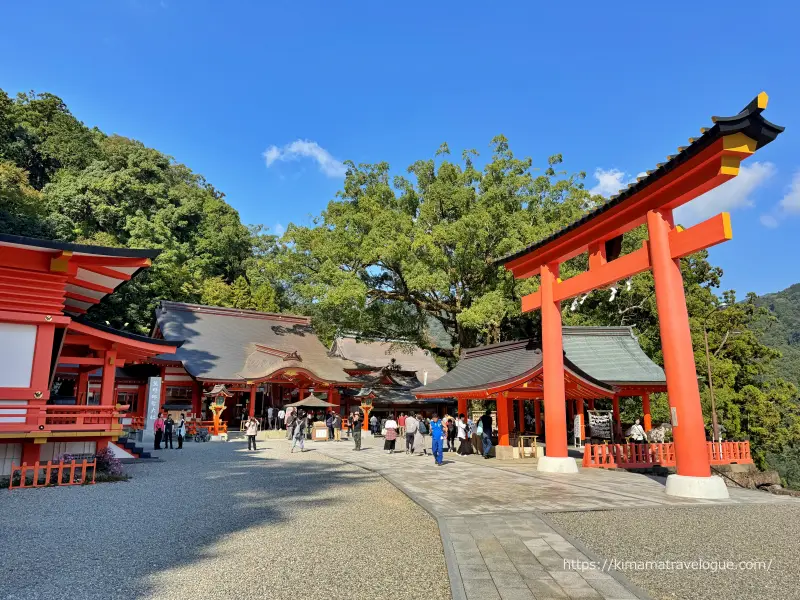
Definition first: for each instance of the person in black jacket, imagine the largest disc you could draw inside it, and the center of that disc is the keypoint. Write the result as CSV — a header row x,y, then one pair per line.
x,y
169,426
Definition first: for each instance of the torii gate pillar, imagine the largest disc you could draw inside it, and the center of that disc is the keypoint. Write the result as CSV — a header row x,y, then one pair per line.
x,y
693,478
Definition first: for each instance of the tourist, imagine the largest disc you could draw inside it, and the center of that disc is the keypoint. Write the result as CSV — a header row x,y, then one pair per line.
x,y
251,429
270,418
401,425
391,435
373,424
356,430
437,439
473,448
329,424
452,432
299,434
180,429
419,439
337,428
158,431
464,441
291,415
169,426
411,432
485,431
638,433
281,417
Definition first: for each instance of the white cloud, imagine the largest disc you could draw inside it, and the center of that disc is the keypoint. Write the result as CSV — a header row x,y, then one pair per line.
x,y
279,229
731,195
790,203
306,149
609,181
768,221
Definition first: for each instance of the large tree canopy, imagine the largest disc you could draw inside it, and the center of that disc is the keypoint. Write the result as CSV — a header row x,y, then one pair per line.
x,y
61,180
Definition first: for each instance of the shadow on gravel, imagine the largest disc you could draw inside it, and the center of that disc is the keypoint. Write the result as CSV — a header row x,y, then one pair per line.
x,y
107,540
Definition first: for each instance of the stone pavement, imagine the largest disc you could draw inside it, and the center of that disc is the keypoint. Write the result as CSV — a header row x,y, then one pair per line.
x,y
497,542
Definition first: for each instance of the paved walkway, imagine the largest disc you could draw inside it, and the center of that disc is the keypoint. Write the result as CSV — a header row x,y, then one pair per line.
x,y
497,542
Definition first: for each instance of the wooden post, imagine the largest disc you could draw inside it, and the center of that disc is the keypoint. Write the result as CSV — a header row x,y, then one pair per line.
x,y
553,366
688,428
504,417
521,416
648,422
251,407
109,375
462,406
616,418
82,387
197,405
537,415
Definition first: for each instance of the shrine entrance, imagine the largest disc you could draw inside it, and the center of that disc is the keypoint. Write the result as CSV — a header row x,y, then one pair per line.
x,y
708,161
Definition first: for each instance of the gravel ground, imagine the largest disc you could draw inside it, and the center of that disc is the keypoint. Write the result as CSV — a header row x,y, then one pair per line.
x,y
769,533
214,521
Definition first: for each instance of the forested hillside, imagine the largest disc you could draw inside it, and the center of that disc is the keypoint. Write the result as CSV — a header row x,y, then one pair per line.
x,y
783,332
61,180
386,258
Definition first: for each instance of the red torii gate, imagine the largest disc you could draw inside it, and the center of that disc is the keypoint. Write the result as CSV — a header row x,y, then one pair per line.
x,y
707,162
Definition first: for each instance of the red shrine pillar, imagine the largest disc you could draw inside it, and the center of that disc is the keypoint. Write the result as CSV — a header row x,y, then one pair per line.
x,y
521,416
648,422
462,406
691,454
615,417
537,416
505,412
196,399
107,397
251,407
556,458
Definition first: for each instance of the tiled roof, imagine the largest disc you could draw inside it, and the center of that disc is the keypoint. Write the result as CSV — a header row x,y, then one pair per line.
x,y
224,344
605,356
612,355
379,354
749,122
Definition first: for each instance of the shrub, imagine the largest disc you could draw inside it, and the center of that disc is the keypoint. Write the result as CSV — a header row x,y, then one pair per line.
x,y
108,463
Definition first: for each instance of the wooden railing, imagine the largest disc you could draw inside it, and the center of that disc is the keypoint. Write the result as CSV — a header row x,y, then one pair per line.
x,y
22,418
52,473
643,456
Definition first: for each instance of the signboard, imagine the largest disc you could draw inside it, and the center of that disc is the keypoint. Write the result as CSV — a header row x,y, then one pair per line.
x,y
576,430
153,402
674,416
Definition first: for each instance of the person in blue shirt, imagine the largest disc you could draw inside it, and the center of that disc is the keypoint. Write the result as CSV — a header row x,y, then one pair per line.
x,y
438,434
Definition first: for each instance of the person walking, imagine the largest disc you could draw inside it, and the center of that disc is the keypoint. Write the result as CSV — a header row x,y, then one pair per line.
x,y
299,434
401,425
485,431
329,424
411,432
464,441
291,416
356,430
438,435
270,418
391,435
169,427
180,430
419,439
251,430
373,424
281,417
452,432
158,432
337,428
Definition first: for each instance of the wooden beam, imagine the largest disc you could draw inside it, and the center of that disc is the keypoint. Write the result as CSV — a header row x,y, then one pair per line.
x,y
60,262
96,287
82,298
709,233
111,261
80,360
107,272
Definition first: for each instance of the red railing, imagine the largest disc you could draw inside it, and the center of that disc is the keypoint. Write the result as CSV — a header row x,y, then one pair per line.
x,y
22,418
50,473
643,456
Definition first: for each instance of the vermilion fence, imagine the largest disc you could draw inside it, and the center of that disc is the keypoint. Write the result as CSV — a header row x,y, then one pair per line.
x,y
642,456
52,473
27,417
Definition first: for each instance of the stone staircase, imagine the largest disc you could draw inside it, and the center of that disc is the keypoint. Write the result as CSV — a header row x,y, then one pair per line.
x,y
132,447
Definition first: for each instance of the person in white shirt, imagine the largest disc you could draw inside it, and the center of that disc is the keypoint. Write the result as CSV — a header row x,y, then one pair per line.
x,y
638,433
251,429
464,442
391,435
271,418
281,417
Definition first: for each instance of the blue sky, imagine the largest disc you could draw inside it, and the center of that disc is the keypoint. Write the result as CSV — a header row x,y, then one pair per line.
x,y
228,87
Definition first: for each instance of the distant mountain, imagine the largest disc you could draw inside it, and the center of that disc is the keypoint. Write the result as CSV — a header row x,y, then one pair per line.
x,y
785,334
